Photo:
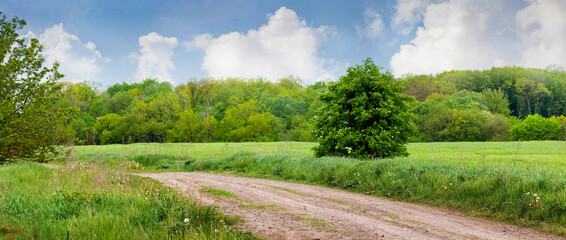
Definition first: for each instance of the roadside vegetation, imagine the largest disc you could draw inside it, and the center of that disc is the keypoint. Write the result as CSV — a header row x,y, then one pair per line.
x,y
492,180
82,200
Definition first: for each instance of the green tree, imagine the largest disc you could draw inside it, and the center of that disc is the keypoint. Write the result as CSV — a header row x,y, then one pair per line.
x,y
496,101
364,115
526,88
536,127
189,128
30,124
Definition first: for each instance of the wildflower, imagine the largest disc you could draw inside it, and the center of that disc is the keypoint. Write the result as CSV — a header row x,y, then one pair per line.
x,y
186,220
538,198
529,193
450,184
220,220
534,195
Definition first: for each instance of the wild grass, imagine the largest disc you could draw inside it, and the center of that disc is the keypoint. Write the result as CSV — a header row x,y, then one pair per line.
x,y
89,201
495,180
218,192
287,190
262,207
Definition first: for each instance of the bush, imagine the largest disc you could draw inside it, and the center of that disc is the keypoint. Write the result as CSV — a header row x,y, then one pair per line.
x,y
364,115
536,127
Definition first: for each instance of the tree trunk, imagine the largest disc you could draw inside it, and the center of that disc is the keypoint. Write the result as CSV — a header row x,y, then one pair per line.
x,y
528,100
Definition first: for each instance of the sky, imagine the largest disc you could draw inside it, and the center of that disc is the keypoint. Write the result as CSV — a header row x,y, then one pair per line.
x,y
108,42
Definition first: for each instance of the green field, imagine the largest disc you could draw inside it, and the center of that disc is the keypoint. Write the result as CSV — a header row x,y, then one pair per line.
x,y
550,155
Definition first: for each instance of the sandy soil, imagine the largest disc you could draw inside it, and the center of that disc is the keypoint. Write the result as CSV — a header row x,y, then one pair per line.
x,y
281,210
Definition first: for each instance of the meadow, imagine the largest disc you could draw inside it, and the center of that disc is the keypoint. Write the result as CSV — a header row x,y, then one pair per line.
x,y
543,155
522,183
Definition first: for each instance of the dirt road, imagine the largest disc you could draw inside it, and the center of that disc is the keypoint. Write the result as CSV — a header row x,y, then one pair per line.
x,y
281,210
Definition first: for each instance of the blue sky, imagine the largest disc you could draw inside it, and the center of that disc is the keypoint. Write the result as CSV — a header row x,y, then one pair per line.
x,y
116,41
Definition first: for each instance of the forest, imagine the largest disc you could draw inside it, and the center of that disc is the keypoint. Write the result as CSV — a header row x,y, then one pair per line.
x,y
499,104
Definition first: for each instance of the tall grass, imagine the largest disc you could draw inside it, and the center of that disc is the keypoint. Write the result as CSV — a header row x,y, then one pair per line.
x,y
88,201
534,198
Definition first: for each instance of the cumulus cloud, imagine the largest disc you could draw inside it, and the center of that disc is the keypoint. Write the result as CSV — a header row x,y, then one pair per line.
x,y
407,14
542,27
78,61
458,34
373,25
199,42
155,59
284,46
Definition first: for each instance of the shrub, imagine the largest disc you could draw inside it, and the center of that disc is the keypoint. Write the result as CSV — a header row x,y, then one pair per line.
x,y
536,127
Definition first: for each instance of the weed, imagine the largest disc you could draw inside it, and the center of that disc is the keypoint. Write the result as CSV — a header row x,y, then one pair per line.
x,y
262,207
287,190
218,192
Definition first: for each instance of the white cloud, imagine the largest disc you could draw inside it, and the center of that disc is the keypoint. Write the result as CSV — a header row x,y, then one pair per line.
x,y
460,35
78,61
155,59
407,14
373,25
284,46
200,42
542,27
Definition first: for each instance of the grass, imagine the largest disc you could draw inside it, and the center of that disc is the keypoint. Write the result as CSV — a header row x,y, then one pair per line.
x,y
218,192
287,190
89,201
546,155
543,155
262,207
495,180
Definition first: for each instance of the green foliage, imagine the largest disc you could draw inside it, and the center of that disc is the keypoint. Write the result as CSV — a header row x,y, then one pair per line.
x,y
96,202
151,111
495,101
496,128
30,122
466,125
188,129
364,115
432,119
536,127
244,122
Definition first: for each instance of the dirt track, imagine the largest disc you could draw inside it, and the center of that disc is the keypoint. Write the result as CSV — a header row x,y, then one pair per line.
x,y
280,210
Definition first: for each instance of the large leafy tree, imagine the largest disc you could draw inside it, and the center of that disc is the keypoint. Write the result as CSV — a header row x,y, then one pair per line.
x,y
364,114
30,125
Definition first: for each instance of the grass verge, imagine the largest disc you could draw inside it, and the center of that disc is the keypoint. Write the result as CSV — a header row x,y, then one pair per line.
x,y
88,201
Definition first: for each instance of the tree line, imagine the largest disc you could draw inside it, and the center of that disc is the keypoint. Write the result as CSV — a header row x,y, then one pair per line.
x,y
489,105
451,106
229,110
